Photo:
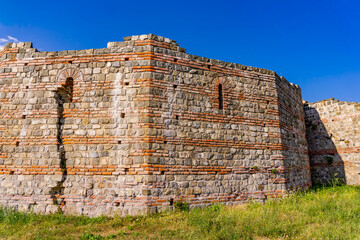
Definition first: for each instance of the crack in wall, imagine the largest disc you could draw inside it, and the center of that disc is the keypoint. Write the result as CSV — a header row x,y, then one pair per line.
x,y
58,190
62,95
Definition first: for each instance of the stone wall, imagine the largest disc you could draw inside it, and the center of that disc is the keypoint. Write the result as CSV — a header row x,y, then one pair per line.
x,y
140,125
333,133
253,147
77,157
293,137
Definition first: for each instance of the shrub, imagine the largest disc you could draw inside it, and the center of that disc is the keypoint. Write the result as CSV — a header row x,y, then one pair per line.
x,y
181,206
90,236
256,168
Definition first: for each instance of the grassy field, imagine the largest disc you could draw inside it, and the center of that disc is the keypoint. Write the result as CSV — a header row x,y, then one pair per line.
x,y
320,213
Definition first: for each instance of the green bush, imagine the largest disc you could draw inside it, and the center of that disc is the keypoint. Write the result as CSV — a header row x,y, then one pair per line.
x,y
90,236
256,168
181,206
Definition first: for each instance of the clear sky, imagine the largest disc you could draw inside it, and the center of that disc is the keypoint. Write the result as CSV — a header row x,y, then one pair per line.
x,y
315,44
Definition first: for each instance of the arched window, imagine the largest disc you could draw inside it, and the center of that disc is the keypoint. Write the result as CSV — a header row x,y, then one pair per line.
x,y
220,93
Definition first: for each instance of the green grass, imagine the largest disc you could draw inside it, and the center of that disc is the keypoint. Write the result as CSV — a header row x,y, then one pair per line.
x,y
320,213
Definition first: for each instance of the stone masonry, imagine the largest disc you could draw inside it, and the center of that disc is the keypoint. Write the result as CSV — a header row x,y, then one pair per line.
x,y
140,125
333,132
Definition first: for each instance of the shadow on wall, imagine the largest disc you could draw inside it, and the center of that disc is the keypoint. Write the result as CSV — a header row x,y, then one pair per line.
x,y
327,166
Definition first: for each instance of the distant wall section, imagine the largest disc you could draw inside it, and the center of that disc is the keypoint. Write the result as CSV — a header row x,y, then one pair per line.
x,y
333,133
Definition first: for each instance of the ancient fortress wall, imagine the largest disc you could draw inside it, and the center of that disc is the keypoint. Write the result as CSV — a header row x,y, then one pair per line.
x,y
78,155
140,125
248,145
333,133
293,137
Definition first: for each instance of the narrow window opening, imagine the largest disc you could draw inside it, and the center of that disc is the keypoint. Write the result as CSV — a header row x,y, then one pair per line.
x,y
23,116
175,86
69,88
126,83
11,172
162,172
175,60
165,142
17,144
177,117
25,64
119,142
126,170
220,93
171,201
27,87
122,115
126,59
267,102
70,62
209,67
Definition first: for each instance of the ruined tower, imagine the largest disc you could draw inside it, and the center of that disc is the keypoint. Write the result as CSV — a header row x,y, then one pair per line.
x,y
140,125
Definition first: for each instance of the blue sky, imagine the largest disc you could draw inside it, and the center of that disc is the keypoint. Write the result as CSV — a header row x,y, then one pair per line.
x,y
315,44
